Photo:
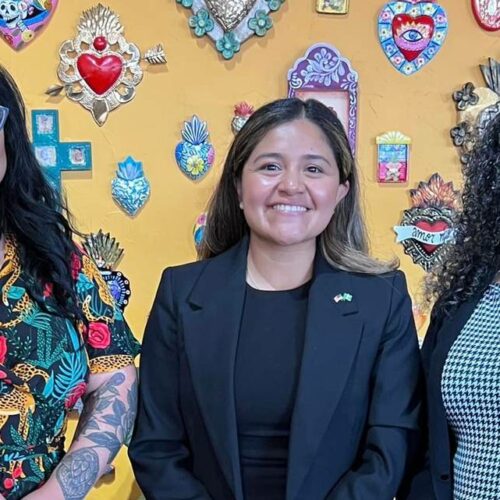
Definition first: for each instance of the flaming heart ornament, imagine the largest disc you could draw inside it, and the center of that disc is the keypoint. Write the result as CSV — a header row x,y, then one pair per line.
x,y
22,20
411,33
99,68
229,23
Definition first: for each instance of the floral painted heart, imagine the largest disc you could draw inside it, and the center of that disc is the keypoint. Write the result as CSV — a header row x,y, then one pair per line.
x,y
411,33
229,23
487,14
22,21
100,73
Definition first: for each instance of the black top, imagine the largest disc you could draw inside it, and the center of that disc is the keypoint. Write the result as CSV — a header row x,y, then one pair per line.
x,y
268,364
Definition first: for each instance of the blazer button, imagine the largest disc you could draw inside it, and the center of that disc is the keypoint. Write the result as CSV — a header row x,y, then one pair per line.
x,y
444,477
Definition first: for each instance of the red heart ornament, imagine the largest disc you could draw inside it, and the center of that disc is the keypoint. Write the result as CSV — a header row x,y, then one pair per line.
x,y
431,227
99,73
412,34
487,14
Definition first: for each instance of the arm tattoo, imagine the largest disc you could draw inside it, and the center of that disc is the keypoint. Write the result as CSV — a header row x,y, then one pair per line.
x,y
78,473
107,422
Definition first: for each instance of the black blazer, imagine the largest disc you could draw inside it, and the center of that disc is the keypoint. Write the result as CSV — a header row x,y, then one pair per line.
x,y
433,479
355,418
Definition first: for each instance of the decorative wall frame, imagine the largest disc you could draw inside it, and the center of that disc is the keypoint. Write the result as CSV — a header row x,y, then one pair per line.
x,y
106,253
411,33
332,6
476,107
53,155
21,21
230,23
487,14
99,68
427,226
130,188
393,157
194,154
323,74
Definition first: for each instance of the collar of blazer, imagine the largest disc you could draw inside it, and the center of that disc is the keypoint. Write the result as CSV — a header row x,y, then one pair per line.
x,y
211,328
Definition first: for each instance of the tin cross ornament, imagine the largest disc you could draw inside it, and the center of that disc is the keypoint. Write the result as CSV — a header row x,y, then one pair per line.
x,y
229,23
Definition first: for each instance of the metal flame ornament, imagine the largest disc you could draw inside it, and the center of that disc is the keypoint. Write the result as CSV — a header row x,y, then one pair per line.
x,y
106,253
229,23
99,68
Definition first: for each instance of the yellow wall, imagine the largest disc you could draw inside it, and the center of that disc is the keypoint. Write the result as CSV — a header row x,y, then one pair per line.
x,y
197,81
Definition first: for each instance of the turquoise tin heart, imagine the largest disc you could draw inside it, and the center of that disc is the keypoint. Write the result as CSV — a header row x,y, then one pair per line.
x,y
194,155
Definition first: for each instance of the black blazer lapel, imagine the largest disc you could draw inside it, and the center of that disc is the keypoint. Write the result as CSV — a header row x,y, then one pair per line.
x,y
333,332
438,430
211,328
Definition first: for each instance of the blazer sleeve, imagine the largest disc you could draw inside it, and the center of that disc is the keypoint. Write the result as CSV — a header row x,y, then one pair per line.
x,y
159,450
392,430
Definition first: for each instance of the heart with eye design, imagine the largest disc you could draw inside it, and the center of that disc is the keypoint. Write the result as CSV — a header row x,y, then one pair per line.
x,y
411,33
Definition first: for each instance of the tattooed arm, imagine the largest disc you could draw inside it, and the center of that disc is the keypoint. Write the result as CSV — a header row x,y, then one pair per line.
x,y
105,424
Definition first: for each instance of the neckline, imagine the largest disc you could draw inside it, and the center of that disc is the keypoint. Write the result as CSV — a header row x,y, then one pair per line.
x,y
298,289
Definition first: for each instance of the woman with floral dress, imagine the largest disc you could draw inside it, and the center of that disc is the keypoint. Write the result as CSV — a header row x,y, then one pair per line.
x,y
61,335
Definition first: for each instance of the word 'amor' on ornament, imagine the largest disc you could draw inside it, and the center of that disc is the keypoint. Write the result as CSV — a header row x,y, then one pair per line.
x,y
230,23
99,68
393,157
332,6
476,107
487,14
130,188
106,253
21,21
242,113
323,74
53,155
194,155
427,226
199,228
411,33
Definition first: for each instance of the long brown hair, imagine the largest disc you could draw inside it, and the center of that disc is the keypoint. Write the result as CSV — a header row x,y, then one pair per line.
x,y
344,242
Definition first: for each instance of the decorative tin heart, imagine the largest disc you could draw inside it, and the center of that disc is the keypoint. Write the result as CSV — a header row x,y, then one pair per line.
x,y
230,22
432,227
229,13
99,73
411,33
487,14
22,20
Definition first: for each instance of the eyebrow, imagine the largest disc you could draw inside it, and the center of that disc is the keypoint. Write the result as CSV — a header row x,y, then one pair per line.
x,y
278,156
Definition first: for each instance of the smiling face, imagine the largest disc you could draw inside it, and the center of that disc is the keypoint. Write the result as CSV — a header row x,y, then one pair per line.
x,y
289,186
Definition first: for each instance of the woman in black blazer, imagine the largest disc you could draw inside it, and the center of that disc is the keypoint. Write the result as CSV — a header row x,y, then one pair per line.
x,y
285,364
461,351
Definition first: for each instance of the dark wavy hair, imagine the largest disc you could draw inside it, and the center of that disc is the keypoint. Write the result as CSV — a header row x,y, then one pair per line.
x,y
474,259
33,212
344,242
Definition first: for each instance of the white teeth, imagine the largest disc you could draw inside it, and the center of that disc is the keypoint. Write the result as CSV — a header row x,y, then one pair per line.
x,y
289,208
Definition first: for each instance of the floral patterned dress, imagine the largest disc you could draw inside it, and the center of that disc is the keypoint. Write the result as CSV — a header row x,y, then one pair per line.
x,y
45,362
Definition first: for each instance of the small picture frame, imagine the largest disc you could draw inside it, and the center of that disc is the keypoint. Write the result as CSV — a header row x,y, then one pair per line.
x,y
46,155
332,6
77,156
323,74
393,157
45,123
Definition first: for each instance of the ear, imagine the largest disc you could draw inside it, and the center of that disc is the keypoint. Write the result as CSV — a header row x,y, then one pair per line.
x,y
342,191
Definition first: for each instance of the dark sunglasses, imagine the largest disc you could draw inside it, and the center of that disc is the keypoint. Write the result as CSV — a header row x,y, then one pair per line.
x,y
4,113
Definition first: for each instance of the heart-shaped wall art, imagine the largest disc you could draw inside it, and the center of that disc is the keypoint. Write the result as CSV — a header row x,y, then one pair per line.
x,y
22,20
231,22
487,14
411,33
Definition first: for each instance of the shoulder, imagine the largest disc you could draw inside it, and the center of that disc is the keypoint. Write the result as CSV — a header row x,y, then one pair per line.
x,y
392,284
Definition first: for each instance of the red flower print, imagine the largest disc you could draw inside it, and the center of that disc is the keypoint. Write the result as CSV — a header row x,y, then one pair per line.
x,y
76,265
3,349
99,335
8,483
48,290
75,395
17,472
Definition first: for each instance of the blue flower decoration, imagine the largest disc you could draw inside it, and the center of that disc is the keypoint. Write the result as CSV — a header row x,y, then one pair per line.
x,y
186,3
201,22
274,5
261,23
228,45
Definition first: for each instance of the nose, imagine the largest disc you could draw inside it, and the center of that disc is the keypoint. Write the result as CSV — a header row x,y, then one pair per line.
x,y
291,182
